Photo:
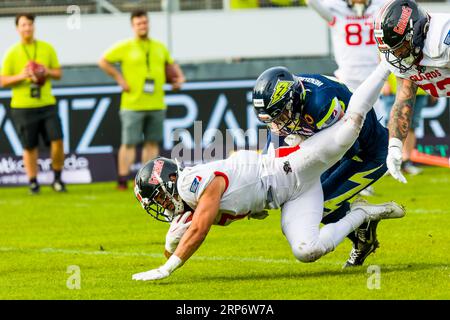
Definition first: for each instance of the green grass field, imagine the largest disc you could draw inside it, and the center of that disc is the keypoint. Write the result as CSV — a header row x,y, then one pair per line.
x,y
109,237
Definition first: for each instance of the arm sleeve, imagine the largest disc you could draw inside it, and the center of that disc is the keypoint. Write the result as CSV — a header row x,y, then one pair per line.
x,y
322,10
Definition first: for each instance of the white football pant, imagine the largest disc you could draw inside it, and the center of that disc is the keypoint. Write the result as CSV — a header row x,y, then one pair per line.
x,y
301,215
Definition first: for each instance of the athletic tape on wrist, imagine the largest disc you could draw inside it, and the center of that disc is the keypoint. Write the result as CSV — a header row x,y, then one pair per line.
x,y
172,263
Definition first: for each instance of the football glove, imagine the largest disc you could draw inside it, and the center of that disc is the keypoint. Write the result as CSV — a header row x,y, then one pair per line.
x,y
394,159
176,231
160,273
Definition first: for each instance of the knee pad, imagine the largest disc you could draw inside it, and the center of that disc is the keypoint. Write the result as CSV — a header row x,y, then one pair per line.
x,y
308,252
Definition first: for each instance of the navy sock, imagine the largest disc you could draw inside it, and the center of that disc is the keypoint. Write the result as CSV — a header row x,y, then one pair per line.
x,y
57,175
123,179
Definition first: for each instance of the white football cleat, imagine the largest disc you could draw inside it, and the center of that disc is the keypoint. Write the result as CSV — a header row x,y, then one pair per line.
x,y
376,212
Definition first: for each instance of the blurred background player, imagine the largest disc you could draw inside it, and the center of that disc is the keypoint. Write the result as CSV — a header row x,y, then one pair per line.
x,y
144,63
415,45
354,47
27,68
297,107
422,100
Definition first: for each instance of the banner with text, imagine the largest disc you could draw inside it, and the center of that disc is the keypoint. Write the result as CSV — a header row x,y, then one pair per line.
x,y
201,115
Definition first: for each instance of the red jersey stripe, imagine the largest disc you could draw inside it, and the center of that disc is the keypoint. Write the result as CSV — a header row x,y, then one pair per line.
x,y
285,151
221,174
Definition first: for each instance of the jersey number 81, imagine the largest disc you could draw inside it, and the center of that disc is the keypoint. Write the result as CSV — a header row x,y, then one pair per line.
x,y
354,37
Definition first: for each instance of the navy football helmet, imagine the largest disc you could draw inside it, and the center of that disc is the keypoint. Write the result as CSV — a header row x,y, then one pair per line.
x,y
400,30
278,100
156,189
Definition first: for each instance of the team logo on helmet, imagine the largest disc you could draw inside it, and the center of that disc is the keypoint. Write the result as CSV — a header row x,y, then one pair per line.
x,y
403,21
281,88
156,172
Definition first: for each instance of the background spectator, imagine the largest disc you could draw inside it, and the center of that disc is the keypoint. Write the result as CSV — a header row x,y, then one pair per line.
x,y
27,68
244,4
144,63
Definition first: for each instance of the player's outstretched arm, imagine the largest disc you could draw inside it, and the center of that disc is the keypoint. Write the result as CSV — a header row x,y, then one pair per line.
x,y
205,214
399,122
402,110
177,229
368,92
360,104
322,10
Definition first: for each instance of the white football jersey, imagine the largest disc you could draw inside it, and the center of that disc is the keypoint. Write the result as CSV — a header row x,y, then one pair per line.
x,y
353,41
434,76
244,194
254,182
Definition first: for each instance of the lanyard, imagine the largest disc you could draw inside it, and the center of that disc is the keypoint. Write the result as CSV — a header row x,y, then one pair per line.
x,y
35,51
147,55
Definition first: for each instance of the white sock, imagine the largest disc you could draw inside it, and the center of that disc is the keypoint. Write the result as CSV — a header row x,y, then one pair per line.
x,y
331,235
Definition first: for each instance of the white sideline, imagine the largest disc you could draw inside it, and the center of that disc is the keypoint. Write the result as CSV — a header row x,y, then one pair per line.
x,y
143,254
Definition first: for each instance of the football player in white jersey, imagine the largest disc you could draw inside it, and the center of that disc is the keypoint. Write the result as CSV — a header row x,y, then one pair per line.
x,y
416,48
354,46
248,183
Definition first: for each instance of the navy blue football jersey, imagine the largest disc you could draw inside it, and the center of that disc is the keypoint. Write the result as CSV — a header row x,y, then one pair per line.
x,y
326,102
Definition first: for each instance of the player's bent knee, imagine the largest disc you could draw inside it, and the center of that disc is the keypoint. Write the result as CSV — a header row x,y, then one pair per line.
x,y
307,252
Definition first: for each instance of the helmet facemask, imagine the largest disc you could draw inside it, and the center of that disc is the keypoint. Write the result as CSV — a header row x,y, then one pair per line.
x,y
402,56
289,120
164,203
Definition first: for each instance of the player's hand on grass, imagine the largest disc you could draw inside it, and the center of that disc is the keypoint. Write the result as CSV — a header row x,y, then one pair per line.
x,y
394,159
177,229
162,272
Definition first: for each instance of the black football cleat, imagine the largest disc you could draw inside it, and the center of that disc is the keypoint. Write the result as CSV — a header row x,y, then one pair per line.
x,y
366,244
59,186
35,189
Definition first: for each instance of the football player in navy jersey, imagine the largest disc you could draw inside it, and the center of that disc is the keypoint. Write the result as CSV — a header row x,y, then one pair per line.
x,y
296,107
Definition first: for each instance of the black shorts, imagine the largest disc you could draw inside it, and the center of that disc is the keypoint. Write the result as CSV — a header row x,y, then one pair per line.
x,y
31,123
